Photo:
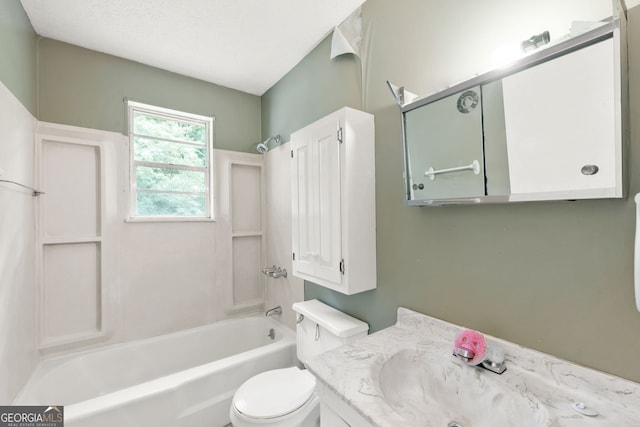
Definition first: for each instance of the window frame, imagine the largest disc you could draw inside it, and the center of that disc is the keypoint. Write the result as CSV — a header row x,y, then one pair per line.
x,y
134,107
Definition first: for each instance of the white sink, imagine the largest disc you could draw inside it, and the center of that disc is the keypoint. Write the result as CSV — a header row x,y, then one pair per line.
x,y
405,375
432,389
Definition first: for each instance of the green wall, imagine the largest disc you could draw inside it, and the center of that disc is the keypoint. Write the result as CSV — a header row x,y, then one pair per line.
x,y
554,276
18,53
82,87
313,89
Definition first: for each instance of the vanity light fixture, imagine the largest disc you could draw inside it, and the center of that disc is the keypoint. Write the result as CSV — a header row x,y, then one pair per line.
x,y
535,41
508,53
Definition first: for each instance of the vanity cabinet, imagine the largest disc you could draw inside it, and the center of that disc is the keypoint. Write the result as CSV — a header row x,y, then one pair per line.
x,y
333,202
335,412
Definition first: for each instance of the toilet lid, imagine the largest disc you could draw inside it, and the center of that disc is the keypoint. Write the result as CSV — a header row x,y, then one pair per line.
x,y
274,393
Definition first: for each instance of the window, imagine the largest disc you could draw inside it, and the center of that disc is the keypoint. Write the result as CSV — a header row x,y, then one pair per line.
x,y
170,155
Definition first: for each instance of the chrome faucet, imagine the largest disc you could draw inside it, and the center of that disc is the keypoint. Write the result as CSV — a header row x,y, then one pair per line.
x,y
464,353
472,349
269,270
274,272
280,272
494,360
272,311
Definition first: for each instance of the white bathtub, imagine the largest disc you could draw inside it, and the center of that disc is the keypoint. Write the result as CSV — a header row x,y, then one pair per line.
x,y
182,379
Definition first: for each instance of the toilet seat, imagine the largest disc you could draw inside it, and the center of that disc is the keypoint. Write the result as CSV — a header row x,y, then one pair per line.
x,y
275,393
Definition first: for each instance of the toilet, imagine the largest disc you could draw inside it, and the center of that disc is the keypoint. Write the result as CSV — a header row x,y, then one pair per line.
x,y
286,397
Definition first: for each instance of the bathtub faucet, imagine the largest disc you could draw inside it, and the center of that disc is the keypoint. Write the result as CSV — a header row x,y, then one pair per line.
x,y
274,272
280,272
269,270
272,311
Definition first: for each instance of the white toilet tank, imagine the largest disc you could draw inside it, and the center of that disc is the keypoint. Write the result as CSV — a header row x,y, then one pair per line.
x,y
321,328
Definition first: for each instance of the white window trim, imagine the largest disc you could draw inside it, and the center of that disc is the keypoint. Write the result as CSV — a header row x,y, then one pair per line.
x,y
208,121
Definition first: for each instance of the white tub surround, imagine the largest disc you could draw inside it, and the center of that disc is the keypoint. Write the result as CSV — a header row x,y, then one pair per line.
x,y
284,291
186,378
406,375
18,354
78,232
240,232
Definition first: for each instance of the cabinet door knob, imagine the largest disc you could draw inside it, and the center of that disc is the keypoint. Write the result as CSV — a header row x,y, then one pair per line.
x,y
589,169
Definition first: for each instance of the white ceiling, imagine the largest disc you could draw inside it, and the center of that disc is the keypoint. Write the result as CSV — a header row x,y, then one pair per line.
x,y
242,44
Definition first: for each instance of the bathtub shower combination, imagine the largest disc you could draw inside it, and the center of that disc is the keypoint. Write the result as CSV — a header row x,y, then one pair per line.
x,y
183,379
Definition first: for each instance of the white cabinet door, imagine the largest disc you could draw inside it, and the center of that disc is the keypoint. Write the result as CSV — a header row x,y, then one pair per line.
x,y
303,196
329,253
329,418
557,149
316,202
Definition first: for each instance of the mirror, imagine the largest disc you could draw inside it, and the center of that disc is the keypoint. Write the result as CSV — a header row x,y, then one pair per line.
x,y
454,140
548,127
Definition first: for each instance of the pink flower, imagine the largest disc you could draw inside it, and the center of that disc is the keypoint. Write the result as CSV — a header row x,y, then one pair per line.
x,y
472,341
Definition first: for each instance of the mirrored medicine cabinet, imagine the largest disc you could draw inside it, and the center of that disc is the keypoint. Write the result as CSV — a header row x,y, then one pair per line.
x,y
546,127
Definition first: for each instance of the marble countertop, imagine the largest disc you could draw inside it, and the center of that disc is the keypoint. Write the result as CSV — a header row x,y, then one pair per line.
x,y
543,385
